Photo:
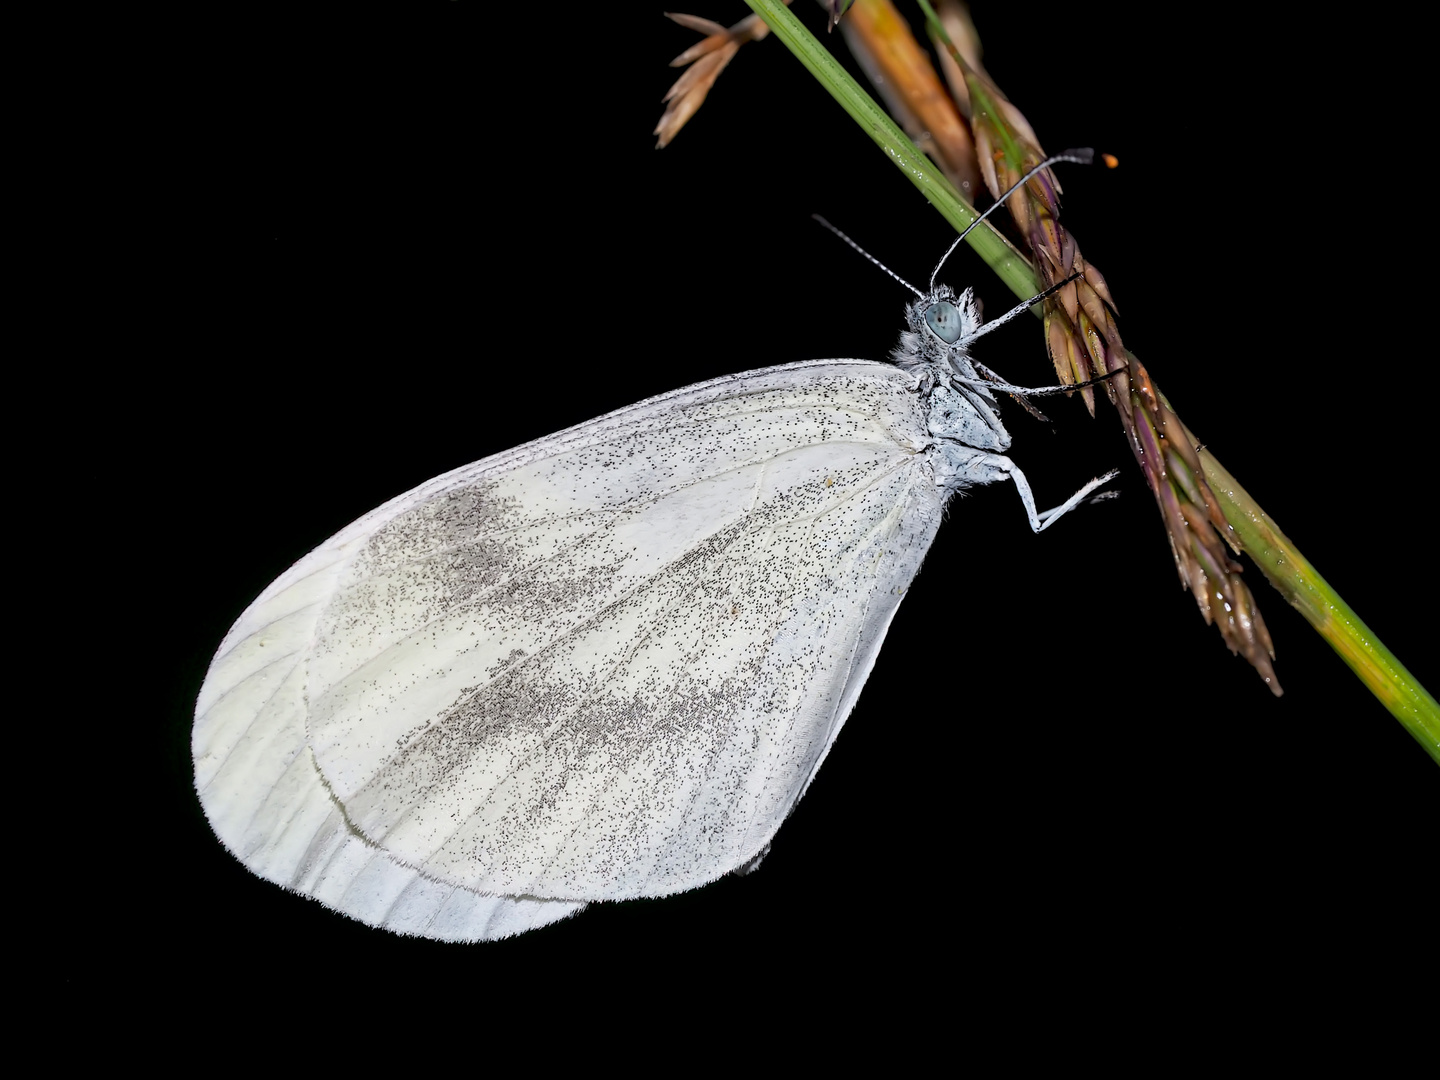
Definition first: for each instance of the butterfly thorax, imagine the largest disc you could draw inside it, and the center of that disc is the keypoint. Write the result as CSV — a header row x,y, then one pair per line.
x,y
963,413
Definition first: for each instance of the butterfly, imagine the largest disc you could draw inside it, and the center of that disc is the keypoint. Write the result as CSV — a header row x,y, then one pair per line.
x,y
607,663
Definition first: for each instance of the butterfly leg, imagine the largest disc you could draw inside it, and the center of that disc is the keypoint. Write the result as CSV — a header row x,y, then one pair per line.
x,y
1049,517
990,468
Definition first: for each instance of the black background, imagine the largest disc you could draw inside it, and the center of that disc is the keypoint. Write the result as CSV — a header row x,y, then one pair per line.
x,y
431,236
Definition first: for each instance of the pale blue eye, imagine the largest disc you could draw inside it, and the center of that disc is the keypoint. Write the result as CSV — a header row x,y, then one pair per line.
x,y
943,318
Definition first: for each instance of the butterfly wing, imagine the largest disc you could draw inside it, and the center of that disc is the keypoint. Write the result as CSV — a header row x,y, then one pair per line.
x,y
602,665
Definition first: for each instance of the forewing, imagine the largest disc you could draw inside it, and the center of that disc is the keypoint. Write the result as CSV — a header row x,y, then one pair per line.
x,y
605,664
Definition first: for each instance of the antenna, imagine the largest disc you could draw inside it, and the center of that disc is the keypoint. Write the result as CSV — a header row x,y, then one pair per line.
x,y
867,255
1079,157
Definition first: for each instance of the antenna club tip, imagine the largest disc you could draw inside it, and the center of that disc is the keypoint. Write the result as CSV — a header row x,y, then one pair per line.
x,y
1111,161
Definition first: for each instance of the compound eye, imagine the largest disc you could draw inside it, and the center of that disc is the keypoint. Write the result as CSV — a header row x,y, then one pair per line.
x,y
943,319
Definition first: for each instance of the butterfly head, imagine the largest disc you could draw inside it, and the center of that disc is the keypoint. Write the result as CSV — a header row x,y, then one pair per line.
x,y
939,325
950,318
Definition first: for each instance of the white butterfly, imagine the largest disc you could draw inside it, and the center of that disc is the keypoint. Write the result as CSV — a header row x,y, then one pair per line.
x,y
606,664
